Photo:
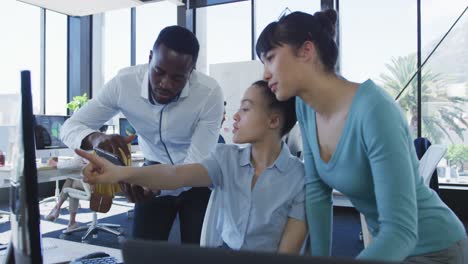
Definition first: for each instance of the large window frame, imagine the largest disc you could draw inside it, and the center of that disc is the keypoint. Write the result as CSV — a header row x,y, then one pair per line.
x,y
186,16
335,4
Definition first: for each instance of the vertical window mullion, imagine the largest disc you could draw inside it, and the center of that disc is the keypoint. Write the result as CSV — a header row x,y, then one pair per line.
x,y
43,61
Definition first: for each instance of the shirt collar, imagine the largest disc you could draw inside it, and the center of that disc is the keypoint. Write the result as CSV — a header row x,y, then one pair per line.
x,y
280,163
145,91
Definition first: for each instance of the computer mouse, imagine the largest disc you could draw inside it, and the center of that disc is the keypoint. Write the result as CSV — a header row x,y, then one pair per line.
x,y
93,255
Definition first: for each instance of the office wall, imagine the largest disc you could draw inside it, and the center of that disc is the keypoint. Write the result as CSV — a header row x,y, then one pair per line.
x,y
234,78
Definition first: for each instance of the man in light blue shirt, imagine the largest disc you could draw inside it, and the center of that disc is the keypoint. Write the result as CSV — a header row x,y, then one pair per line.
x,y
176,112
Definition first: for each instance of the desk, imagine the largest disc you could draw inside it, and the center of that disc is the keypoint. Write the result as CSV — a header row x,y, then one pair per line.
x,y
5,173
48,174
60,251
340,200
43,175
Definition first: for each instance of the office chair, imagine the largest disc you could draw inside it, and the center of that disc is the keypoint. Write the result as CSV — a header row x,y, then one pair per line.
x,y
294,141
211,228
429,161
427,166
94,226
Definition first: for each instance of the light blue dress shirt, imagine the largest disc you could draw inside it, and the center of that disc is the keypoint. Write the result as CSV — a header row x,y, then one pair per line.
x,y
376,167
189,128
254,219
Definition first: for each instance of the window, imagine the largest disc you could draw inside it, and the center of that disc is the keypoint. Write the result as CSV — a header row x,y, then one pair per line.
x,y
116,42
150,20
445,85
376,45
267,11
224,33
56,64
19,50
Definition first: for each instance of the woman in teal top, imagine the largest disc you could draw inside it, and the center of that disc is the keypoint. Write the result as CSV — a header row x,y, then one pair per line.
x,y
356,140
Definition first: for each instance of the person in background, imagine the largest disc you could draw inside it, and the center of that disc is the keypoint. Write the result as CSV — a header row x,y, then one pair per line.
x,y
356,140
176,112
261,187
73,203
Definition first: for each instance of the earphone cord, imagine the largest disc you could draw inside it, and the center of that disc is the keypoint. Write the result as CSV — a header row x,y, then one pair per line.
x,y
160,134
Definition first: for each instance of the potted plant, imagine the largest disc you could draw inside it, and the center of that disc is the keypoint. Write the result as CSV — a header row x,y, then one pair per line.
x,y
77,102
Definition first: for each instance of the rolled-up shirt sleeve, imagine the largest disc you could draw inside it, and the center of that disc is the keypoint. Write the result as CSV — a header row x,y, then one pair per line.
x,y
212,165
206,134
91,116
297,209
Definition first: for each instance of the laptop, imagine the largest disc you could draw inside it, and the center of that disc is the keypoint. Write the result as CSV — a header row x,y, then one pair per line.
x,y
142,251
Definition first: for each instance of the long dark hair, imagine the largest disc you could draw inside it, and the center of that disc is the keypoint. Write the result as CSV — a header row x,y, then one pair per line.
x,y
296,28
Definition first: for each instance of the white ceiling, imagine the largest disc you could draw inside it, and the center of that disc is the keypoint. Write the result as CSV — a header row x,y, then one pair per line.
x,y
89,7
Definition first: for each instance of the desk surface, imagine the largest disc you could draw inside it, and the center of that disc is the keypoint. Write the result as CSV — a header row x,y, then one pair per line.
x,y
59,250
63,251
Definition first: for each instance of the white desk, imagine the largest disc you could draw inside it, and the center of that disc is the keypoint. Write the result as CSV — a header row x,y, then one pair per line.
x,y
5,176
63,251
43,175
340,200
68,250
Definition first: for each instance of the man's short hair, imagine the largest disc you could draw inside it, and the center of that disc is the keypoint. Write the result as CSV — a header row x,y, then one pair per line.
x,y
179,39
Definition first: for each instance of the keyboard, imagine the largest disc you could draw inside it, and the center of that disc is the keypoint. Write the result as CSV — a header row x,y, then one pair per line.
x,y
137,157
101,260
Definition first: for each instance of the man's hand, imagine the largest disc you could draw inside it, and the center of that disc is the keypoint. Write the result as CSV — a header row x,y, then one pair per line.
x,y
109,143
112,143
137,193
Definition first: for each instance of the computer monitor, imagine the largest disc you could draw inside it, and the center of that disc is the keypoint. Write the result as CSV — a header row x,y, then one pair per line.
x,y
146,251
25,245
126,129
47,133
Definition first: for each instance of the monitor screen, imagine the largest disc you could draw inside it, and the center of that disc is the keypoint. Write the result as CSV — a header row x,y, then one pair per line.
x,y
126,129
25,246
47,131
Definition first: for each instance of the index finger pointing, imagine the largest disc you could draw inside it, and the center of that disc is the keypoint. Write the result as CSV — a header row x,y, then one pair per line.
x,y
90,157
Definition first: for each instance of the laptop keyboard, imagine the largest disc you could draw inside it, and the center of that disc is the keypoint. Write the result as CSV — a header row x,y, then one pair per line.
x,y
102,260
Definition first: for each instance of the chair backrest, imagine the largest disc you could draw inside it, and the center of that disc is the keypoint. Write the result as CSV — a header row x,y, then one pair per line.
x,y
429,161
79,194
211,233
294,141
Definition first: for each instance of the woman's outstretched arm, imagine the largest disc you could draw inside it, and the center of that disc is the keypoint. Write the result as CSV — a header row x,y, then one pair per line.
x,y
156,177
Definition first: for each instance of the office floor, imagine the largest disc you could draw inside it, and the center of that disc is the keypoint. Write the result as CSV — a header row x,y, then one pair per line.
x,y
346,227
346,242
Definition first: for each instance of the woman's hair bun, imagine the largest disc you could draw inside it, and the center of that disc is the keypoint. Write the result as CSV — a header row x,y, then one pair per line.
x,y
327,19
